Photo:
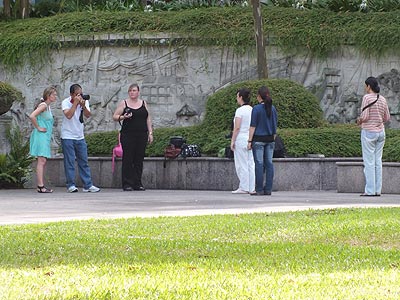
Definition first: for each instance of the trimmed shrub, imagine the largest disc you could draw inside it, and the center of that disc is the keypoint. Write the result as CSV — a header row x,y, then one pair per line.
x,y
296,106
8,94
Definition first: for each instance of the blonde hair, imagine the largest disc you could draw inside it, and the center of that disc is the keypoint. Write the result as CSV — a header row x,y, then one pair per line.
x,y
46,94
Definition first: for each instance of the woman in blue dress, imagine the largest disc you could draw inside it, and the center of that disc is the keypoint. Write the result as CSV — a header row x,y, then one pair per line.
x,y
42,119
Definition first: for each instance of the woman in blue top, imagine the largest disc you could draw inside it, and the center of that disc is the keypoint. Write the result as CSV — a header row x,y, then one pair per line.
x,y
262,133
42,119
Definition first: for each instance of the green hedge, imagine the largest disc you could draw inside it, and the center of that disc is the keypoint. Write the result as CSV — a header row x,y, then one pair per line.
x,y
331,141
336,141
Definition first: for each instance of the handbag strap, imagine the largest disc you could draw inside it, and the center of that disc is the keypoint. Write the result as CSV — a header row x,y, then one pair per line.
x,y
119,121
370,104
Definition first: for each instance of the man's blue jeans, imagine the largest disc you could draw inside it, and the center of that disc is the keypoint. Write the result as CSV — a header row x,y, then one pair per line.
x,y
76,149
263,153
372,148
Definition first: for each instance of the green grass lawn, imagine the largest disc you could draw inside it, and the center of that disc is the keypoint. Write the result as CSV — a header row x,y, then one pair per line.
x,y
315,254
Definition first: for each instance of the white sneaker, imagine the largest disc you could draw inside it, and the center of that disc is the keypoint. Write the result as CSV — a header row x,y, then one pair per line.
x,y
239,191
72,189
92,189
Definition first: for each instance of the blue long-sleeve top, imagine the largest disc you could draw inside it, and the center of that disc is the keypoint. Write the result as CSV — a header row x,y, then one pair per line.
x,y
264,125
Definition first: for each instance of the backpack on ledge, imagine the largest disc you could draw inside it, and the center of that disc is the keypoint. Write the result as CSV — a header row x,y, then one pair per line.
x,y
174,148
177,141
172,151
279,150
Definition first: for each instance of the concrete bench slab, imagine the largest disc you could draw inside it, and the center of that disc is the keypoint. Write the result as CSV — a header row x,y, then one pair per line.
x,y
350,177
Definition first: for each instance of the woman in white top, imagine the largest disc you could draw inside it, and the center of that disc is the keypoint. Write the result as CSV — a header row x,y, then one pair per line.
x,y
244,162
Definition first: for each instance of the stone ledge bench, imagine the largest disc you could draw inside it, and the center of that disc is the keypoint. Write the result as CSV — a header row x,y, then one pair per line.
x,y
205,173
350,177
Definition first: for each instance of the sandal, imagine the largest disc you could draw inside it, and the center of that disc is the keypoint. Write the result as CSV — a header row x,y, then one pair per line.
x,y
43,189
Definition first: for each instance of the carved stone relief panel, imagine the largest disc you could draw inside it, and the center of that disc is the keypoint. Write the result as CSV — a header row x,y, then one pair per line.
x,y
176,82
338,82
389,83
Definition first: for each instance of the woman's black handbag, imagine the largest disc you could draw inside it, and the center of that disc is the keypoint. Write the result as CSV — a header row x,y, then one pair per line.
x,y
228,152
177,141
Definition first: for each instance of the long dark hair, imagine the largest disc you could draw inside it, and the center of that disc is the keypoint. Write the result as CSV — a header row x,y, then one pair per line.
x,y
267,100
374,85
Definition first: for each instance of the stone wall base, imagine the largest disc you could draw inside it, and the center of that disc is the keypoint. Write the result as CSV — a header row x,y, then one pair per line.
x,y
211,173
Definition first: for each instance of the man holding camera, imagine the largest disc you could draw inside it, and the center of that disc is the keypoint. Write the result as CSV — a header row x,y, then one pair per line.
x,y
73,143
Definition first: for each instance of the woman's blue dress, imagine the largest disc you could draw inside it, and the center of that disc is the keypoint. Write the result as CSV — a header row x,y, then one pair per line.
x,y
40,141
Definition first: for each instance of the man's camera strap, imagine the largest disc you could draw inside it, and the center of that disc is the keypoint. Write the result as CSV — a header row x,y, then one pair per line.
x,y
81,116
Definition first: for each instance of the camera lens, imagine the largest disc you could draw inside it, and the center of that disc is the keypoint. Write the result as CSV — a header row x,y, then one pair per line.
x,y
127,110
85,97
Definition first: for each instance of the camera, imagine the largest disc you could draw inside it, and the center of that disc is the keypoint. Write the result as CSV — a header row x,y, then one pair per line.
x,y
85,97
128,110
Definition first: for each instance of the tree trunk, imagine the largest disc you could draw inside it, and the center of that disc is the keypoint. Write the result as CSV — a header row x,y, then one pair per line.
x,y
24,9
7,8
262,68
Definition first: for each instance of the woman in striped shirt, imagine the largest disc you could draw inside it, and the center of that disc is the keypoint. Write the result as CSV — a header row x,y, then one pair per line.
x,y
375,113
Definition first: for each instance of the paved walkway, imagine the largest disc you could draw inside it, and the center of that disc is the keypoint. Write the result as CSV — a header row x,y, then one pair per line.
x,y
28,206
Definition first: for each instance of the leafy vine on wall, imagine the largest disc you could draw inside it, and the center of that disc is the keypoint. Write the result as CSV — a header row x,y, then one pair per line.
x,y
317,31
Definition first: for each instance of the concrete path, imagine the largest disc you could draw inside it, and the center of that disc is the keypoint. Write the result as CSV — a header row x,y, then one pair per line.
x,y
28,206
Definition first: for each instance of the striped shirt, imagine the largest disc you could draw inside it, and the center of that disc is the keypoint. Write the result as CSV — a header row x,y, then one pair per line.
x,y
376,115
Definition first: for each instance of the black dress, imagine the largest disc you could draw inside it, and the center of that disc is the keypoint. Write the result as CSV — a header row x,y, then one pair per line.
x,y
134,136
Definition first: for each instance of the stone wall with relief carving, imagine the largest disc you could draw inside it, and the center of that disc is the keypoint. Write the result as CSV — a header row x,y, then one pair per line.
x,y
176,81
338,82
